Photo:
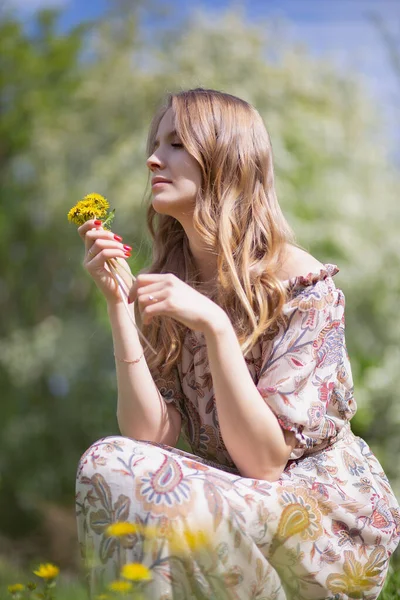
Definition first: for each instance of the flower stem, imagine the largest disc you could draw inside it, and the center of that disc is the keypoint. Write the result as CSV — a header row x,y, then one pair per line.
x,y
124,295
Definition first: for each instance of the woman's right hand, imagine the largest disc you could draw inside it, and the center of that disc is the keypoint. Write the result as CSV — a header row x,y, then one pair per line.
x,y
102,245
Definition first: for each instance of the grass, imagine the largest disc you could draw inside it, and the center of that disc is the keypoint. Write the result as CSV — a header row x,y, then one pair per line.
x,y
391,589
69,588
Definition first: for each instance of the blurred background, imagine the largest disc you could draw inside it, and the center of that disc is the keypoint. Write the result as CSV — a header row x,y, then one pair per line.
x,y
79,83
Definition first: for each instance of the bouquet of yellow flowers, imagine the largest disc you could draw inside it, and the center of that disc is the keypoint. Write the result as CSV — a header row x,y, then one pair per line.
x,y
95,206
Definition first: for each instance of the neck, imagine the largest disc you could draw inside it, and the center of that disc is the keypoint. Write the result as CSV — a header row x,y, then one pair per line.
x,y
204,260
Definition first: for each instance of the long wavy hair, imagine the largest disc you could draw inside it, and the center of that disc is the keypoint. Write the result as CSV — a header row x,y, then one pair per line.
x,y
236,214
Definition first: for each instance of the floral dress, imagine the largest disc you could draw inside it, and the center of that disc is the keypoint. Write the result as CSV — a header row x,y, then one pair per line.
x,y
324,530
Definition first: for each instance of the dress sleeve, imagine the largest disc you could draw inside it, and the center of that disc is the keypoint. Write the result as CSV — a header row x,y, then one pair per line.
x,y
305,375
169,387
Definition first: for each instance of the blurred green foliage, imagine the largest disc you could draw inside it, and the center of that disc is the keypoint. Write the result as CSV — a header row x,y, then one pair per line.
x,y
75,109
74,588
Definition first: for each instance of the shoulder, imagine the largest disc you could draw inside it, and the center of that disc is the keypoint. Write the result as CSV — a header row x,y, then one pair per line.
x,y
297,263
309,284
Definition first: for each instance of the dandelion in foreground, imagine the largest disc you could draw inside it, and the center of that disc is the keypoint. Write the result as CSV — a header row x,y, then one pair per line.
x,y
15,588
92,206
148,531
47,571
120,586
195,541
136,572
121,529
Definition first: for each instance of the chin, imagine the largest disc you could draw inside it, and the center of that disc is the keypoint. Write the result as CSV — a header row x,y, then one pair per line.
x,y
163,207
172,207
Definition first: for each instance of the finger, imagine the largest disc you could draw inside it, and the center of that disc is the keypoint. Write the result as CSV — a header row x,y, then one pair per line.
x,y
143,292
146,279
153,310
91,224
134,289
96,261
101,243
93,235
138,287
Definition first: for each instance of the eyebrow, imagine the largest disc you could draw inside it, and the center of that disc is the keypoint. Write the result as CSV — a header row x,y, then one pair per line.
x,y
168,135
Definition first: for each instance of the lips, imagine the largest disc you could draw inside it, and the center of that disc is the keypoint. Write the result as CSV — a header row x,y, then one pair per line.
x,y
156,180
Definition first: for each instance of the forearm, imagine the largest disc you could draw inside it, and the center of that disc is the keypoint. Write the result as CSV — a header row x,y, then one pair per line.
x,y
249,428
142,412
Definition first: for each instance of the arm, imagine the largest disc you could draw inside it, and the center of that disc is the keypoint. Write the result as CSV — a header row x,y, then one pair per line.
x,y
304,374
142,412
250,430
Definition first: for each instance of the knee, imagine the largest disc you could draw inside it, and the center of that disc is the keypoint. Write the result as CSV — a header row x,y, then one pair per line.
x,y
104,452
101,443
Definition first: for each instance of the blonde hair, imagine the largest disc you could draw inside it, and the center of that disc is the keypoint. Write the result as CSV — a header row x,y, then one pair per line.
x,y
236,214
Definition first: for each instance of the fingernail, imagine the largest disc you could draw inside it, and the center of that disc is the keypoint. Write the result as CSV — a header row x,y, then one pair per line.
x,y
97,222
127,254
130,300
118,238
128,248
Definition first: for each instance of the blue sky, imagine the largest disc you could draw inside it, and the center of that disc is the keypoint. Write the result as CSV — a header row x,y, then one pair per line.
x,y
341,29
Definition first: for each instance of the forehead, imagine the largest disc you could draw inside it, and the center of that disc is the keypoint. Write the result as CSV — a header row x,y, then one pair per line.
x,y
166,124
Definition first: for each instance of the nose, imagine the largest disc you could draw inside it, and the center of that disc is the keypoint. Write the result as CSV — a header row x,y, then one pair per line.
x,y
154,162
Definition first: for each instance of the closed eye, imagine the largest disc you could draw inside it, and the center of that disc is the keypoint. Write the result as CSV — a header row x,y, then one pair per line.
x,y
177,145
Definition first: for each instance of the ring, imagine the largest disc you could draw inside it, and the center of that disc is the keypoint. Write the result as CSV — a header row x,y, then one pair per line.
x,y
152,299
90,252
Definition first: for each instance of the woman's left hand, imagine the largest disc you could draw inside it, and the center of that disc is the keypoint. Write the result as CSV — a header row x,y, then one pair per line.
x,y
166,294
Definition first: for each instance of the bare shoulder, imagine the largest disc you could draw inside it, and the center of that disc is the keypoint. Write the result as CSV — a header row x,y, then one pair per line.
x,y
298,262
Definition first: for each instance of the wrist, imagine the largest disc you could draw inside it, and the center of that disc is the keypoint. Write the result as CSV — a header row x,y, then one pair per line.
x,y
117,309
218,326
117,304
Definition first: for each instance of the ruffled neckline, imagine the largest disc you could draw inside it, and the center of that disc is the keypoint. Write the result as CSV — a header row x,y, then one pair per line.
x,y
292,284
328,270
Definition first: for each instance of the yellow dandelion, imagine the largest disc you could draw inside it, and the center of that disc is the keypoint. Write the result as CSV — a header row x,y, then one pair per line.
x,y
120,586
47,571
15,588
121,528
136,572
194,540
148,531
92,206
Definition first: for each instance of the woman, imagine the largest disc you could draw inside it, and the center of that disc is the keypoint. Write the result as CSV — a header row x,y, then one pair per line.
x,y
252,369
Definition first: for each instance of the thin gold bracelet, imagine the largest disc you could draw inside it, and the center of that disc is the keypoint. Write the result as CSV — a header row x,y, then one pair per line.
x,y
129,362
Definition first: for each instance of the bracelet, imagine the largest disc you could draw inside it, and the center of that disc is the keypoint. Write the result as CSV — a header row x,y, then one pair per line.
x,y
129,362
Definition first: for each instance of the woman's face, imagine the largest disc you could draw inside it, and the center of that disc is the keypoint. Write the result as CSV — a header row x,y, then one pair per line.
x,y
173,163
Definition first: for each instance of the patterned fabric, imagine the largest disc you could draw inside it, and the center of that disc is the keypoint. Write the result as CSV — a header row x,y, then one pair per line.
x,y
324,530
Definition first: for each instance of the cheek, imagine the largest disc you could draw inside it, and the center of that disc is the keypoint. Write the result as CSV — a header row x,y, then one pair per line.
x,y
194,172
187,166
198,178
188,188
